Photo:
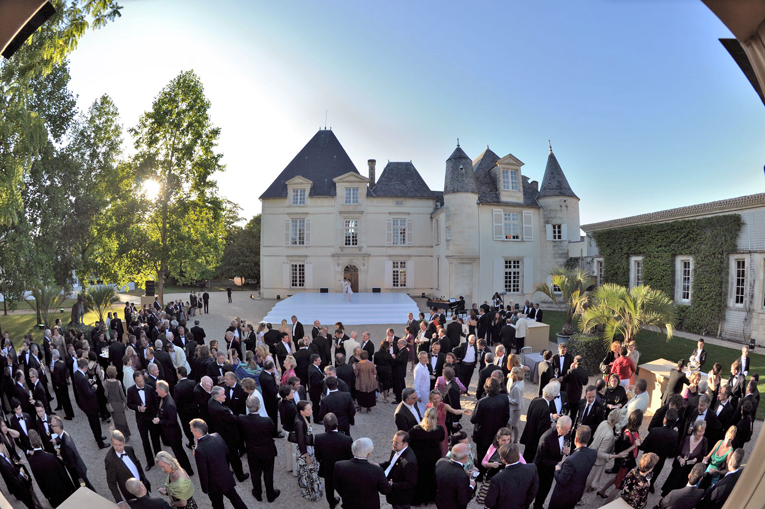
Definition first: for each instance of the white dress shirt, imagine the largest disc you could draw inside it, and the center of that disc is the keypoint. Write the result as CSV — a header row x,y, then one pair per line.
x,y
129,463
393,460
469,354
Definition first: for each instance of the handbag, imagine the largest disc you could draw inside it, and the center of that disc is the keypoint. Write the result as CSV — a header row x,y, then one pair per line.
x,y
292,438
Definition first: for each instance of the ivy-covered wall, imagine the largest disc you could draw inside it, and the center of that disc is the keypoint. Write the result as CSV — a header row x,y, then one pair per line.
x,y
708,240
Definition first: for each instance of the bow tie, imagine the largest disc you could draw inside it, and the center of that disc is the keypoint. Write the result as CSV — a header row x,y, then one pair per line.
x,y
141,389
557,397
123,455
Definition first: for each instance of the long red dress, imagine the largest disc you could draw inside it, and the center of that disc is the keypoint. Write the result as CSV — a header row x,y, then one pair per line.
x,y
441,419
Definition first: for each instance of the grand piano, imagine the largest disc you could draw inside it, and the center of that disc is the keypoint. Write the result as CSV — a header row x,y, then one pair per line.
x,y
452,305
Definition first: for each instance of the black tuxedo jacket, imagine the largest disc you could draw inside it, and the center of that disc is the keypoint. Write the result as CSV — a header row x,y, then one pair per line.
x,y
453,485
23,440
183,394
341,404
404,477
594,417
546,373
134,401
299,333
571,479
702,356
484,375
214,371
117,473
548,451
87,394
683,498
716,496
714,429
212,463
201,397
44,435
199,334
574,381
740,404
404,418
737,386
22,394
440,361
726,414
369,347
303,361
358,482
455,334
674,385
562,368
537,422
315,381
324,347
538,315
346,374
330,448
507,336
50,475
282,353
490,414
225,423
315,331
269,389
116,353
514,487
400,363
661,441
238,401
168,370
38,393
60,375
70,455
167,413
258,434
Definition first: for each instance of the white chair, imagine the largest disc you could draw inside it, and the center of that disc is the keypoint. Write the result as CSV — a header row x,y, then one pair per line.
x,y
524,351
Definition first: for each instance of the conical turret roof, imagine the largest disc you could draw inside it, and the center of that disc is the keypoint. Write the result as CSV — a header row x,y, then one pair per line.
x,y
459,173
554,182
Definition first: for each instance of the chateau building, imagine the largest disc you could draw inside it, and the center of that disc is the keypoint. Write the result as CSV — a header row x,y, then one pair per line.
x,y
491,229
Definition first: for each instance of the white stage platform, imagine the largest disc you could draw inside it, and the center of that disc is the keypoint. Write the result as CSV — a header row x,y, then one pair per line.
x,y
328,308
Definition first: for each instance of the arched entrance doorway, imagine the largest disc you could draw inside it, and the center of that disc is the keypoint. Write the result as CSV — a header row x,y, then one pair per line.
x,y
351,273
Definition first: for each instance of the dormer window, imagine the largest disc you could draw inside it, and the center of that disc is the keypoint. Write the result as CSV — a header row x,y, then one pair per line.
x,y
298,197
351,195
509,180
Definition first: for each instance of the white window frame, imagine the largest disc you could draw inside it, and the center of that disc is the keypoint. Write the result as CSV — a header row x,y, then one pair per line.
x,y
399,231
448,233
351,195
514,180
513,276
599,272
557,232
636,271
351,233
681,278
739,282
297,276
399,274
298,197
506,180
298,232
511,226
437,232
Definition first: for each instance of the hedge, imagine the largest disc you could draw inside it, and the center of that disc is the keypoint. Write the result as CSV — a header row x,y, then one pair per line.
x,y
708,241
592,348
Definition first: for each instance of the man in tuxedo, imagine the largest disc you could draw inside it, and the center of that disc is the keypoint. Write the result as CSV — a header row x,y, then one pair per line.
x,y
322,345
562,363
188,409
571,476
116,353
412,324
236,398
215,476
676,402
590,412
676,381
366,344
69,454
259,434
545,369
331,447
538,313
60,377
167,420
303,361
407,414
167,373
142,399
315,380
201,397
436,362
699,355
18,483
152,363
225,423
485,374
467,355
500,359
718,494
199,333
751,392
689,496
454,332
88,401
140,498
42,427
400,364
122,464
516,485
297,328
216,370
316,330
736,382
339,403
454,487
662,442
491,413
38,390
714,430
507,335
21,422
484,322
49,473
576,378
358,481
401,472
550,452
284,347
725,408
181,339
270,390
538,420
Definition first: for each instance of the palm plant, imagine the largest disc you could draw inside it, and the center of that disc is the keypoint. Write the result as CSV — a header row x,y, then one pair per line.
x,y
623,312
47,299
572,285
100,299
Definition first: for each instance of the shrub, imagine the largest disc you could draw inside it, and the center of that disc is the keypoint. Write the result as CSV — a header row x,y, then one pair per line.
x,y
591,347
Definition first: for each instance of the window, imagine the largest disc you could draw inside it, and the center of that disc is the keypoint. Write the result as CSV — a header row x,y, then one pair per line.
x,y
437,232
513,276
351,232
509,180
638,272
599,271
298,196
514,180
740,280
685,280
512,225
297,232
448,233
557,232
297,275
556,289
352,195
399,274
399,232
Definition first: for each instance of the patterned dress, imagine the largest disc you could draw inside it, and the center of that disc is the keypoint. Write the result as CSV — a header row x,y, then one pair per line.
x,y
635,489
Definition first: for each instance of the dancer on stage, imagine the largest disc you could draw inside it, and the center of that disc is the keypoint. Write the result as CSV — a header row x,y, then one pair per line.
x,y
347,290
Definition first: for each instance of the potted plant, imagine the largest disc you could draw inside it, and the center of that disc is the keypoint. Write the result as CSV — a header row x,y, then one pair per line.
x,y
567,289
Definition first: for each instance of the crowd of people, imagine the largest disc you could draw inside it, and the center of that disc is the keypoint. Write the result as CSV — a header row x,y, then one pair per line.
x,y
234,397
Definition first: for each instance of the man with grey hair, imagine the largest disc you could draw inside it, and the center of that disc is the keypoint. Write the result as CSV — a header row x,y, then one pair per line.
x,y
358,480
121,464
550,452
640,401
259,435
454,487
538,420
142,499
223,421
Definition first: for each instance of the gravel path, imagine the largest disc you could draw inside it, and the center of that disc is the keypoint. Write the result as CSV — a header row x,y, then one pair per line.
x,y
377,425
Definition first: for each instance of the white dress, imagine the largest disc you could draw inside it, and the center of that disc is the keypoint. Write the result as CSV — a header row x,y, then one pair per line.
x,y
347,287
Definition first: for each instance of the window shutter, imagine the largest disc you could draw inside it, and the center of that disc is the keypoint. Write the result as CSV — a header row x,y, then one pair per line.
x,y
498,224
528,275
307,232
528,230
287,232
388,273
286,268
499,274
410,274
548,230
564,232
308,275
409,232
389,233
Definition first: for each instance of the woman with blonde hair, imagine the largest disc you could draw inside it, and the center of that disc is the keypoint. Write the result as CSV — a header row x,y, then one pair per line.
x,y
289,369
603,442
425,441
515,388
263,354
514,361
127,372
178,486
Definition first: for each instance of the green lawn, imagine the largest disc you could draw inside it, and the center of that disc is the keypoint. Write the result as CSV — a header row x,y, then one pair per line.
x,y
652,345
18,325
216,286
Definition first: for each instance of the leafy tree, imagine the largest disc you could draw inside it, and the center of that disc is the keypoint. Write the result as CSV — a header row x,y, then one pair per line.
x,y
100,299
180,232
572,285
623,312
241,257
47,299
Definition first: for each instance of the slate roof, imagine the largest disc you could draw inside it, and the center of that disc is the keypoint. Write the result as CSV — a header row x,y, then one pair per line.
x,y
322,159
554,182
486,181
401,179
459,180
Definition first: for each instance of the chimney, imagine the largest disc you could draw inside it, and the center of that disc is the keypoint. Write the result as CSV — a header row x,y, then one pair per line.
x,y
535,185
371,164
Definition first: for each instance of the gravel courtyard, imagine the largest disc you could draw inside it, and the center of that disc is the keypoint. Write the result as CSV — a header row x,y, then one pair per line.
x,y
377,425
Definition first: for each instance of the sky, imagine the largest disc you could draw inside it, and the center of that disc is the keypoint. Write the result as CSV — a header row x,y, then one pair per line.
x,y
644,108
